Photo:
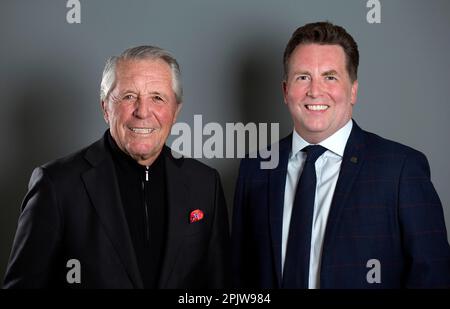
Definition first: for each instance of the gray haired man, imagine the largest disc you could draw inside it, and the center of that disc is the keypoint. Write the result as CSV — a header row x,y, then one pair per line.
x,y
123,212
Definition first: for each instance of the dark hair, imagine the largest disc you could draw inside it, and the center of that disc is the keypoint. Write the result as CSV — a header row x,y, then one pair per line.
x,y
325,33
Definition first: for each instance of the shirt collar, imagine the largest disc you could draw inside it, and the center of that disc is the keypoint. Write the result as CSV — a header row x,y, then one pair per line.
x,y
120,157
335,143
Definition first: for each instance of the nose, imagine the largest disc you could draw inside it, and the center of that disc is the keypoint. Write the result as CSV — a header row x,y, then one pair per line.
x,y
314,88
142,108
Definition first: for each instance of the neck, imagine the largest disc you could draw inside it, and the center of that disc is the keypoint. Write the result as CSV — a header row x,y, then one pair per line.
x,y
147,161
312,138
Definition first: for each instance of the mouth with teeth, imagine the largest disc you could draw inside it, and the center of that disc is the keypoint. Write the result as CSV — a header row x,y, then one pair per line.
x,y
142,130
316,107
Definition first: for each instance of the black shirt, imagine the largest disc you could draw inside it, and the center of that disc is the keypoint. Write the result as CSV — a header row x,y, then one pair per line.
x,y
143,195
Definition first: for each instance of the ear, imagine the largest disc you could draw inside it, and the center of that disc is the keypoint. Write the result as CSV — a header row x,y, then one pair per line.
x,y
284,89
105,111
354,93
177,111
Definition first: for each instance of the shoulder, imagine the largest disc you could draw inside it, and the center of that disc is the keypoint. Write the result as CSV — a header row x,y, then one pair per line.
x,y
274,158
72,165
387,156
379,146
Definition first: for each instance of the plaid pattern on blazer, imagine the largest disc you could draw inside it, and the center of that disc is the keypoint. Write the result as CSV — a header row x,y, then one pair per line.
x,y
384,207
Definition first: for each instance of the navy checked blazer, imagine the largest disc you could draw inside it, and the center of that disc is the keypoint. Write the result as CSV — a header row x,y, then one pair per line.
x,y
384,207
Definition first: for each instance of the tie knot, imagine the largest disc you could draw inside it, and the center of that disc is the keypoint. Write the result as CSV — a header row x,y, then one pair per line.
x,y
313,152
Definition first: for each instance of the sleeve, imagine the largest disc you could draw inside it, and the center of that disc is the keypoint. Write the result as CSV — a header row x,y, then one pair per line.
x,y
424,235
219,245
37,237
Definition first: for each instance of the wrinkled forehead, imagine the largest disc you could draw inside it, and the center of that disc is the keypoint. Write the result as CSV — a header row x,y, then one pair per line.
x,y
143,73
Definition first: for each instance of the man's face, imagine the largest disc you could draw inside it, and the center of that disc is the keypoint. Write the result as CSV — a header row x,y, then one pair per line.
x,y
318,91
141,108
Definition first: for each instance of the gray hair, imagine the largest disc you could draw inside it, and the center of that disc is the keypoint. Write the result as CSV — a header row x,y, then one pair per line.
x,y
139,53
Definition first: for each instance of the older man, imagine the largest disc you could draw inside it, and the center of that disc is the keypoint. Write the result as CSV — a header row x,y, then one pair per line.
x,y
123,212
345,208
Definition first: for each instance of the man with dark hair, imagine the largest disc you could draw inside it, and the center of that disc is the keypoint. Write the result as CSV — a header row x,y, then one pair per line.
x,y
344,208
124,212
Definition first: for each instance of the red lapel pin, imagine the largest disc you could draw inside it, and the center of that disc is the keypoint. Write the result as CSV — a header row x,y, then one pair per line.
x,y
196,215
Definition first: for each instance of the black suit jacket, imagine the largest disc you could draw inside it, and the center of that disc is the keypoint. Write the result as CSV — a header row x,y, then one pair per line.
x,y
73,210
384,207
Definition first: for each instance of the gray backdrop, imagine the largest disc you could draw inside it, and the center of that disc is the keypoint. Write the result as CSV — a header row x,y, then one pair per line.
x,y
230,54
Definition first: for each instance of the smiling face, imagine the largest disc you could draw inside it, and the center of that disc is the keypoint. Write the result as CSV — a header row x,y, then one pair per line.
x,y
318,91
141,108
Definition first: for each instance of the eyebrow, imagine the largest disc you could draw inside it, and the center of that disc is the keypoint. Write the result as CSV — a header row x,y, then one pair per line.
x,y
157,93
330,72
137,92
326,73
302,73
127,91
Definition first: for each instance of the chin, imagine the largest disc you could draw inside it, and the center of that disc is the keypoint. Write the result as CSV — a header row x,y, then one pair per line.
x,y
144,151
315,128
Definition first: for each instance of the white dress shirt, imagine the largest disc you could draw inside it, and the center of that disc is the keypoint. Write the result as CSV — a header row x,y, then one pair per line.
x,y
327,166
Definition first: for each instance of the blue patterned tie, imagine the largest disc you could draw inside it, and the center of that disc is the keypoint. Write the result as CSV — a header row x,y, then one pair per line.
x,y
296,265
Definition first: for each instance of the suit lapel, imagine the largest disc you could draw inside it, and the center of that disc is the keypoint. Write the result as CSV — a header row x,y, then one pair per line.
x,y
351,164
103,190
178,214
277,182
